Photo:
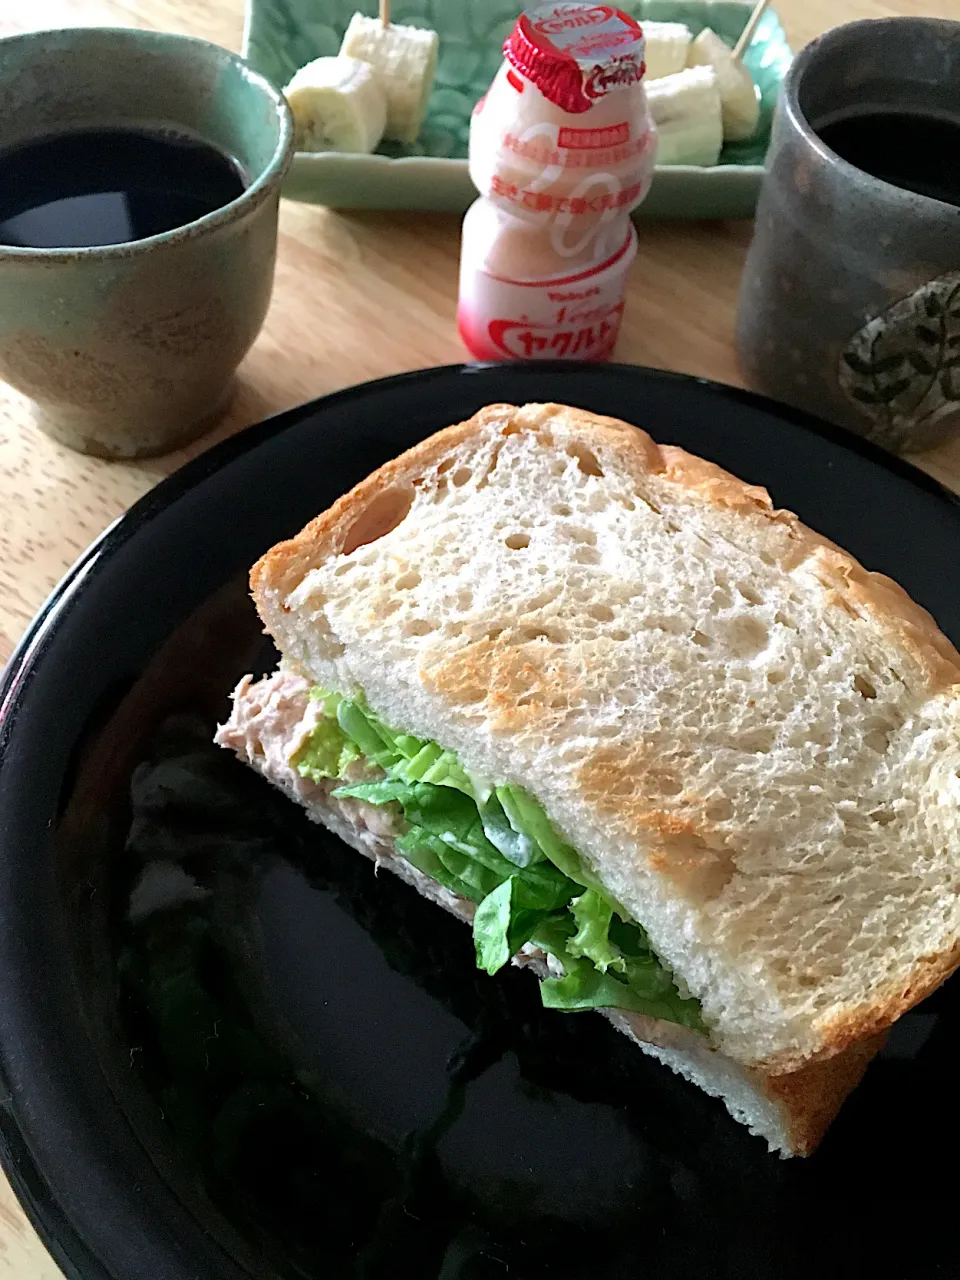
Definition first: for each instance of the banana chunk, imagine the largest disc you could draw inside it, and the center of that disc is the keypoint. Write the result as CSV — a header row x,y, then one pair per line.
x,y
686,110
738,93
665,46
338,104
405,60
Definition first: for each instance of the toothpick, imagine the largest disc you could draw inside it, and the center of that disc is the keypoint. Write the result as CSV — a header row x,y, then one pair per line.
x,y
384,13
747,34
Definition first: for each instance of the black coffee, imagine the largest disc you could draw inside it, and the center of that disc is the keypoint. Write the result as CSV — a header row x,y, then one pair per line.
x,y
109,186
908,149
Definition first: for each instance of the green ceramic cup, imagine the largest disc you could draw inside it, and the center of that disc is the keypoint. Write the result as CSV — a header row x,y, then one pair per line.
x,y
129,350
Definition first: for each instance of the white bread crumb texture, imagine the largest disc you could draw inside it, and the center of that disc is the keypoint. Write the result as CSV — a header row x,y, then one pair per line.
x,y
757,763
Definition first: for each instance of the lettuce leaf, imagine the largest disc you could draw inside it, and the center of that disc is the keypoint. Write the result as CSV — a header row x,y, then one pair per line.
x,y
438,811
355,724
400,755
504,922
457,871
525,814
326,753
594,915
584,987
446,840
491,928
496,847
513,842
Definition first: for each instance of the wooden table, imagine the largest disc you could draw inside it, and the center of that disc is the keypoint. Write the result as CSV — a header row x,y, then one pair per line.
x,y
341,278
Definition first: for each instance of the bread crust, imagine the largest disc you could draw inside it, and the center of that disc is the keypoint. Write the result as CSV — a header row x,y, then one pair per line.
x,y
850,587
810,1097
930,972
284,565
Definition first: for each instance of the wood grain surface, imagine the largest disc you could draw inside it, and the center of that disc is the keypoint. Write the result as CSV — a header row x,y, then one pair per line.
x,y
358,295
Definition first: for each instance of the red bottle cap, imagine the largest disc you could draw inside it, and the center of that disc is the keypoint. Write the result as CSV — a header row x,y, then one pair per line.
x,y
576,53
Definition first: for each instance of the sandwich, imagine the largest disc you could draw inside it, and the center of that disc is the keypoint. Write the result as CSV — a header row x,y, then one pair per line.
x,y
651,738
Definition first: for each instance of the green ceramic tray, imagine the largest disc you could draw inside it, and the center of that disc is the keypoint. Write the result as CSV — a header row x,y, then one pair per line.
x,y
281,35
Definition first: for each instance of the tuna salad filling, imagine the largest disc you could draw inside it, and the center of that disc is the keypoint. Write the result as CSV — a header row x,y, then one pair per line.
x,y
488,845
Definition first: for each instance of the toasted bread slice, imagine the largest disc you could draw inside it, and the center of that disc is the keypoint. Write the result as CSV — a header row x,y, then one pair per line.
x,y
752,740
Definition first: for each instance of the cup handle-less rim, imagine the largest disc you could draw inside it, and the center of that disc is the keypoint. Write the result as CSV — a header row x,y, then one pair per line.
x,y
263,186
899,197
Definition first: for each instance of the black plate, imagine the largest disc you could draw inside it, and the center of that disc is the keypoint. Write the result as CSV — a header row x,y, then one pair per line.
x,y
302,1073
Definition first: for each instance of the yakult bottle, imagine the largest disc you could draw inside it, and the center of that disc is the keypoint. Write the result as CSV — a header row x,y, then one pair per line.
x,y
515,304
561,150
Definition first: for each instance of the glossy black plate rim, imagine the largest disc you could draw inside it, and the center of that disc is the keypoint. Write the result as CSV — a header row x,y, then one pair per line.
x,y
73,1252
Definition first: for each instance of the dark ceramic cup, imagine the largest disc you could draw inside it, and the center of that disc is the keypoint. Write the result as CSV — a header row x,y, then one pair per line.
x,y
130,349
850,299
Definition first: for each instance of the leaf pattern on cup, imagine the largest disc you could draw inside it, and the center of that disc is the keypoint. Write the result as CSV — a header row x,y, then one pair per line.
x,y
902,369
